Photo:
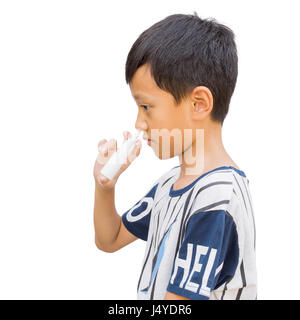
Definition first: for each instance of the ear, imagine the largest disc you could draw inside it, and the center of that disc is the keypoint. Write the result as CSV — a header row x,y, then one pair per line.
x,y
201,103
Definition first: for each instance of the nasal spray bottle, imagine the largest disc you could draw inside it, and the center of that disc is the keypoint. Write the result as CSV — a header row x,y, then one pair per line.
x,y
118,158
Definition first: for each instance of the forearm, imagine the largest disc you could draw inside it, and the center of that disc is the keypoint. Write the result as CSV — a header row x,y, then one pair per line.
x,y
107,222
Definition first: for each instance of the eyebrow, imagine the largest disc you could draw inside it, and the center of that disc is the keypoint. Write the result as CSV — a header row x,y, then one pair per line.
x,y
139,96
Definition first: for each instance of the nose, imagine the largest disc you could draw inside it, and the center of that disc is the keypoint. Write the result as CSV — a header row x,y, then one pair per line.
x,y
141,125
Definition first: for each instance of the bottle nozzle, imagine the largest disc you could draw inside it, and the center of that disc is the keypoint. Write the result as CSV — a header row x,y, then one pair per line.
x,y
137,134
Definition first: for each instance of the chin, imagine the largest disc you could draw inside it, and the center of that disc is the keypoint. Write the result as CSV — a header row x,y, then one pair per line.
x,y
167,154
165,157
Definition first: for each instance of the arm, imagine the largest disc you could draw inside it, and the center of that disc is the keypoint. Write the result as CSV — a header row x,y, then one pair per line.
x,y
110,233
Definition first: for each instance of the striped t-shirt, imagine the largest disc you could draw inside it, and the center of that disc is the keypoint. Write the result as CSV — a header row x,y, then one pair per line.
x,y
200,239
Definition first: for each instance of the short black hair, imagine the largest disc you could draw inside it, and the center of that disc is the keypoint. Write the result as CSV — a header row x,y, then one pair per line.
x,y
185,51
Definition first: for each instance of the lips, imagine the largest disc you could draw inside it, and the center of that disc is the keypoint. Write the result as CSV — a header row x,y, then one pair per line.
x,y
148,140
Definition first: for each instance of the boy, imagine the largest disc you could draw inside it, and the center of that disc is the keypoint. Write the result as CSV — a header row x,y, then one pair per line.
x,y
198,223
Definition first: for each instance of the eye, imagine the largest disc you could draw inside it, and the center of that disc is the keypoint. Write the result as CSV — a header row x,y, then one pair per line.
x,y
142,105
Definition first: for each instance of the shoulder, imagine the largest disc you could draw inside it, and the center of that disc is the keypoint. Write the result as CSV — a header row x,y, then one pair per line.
x,y
214,191
225,190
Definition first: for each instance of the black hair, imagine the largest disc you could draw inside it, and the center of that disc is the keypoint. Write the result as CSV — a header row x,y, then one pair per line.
x,y
185,51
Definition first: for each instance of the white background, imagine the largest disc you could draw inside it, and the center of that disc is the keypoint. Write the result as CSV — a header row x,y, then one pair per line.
x,y
62,89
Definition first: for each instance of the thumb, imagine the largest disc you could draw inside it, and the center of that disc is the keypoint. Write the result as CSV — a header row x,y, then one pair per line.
x,y
103,179
135,151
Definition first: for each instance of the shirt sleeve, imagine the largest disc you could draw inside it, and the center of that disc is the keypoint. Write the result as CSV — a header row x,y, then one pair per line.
x,y
137,219
208,255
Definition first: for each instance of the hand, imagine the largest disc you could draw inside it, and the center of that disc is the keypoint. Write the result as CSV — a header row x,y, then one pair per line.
x,y
106,149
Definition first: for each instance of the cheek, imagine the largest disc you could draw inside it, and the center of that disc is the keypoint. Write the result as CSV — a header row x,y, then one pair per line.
x,y
168,146
176,143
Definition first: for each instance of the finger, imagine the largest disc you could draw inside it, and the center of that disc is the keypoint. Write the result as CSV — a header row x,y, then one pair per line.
x,y
102,178
102,158
103,149
112,146
135,152
103,152
101,142
127,135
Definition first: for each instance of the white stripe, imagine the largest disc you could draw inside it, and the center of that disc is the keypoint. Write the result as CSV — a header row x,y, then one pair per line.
x,y
219,268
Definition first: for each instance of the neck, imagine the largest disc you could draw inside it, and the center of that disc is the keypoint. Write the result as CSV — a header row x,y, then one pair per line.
x,y
210,150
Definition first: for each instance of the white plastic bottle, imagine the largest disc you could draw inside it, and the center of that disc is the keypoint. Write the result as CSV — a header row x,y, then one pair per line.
x,y
118,158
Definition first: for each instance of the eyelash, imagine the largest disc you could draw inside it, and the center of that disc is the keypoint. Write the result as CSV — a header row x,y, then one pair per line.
x,y
143,105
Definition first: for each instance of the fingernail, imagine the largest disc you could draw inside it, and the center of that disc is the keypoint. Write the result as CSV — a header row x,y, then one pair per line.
x,y
104,149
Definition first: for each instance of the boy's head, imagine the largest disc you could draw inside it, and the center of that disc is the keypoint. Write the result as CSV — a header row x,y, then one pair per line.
x,y
182,73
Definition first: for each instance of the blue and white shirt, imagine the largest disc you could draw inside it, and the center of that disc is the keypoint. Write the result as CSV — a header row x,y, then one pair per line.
x,y
200,239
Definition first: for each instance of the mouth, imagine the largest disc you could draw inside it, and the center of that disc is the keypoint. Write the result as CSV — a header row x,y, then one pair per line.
x,y
149,141
146,138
